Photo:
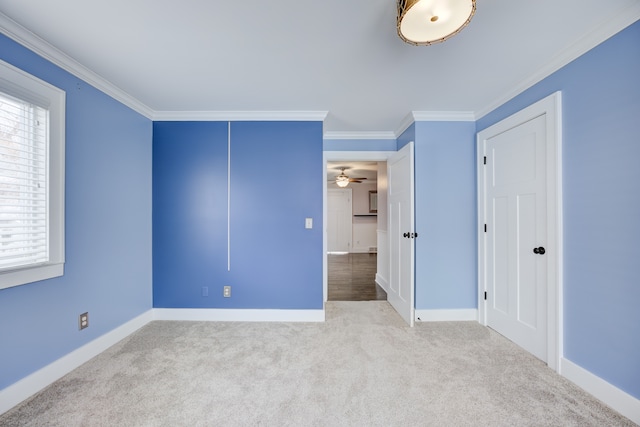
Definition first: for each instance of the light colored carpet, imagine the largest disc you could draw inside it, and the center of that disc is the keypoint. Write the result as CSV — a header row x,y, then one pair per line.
x,y
362,367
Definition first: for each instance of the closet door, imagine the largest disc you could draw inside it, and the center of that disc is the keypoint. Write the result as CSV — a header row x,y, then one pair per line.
x,y
276,181
189,213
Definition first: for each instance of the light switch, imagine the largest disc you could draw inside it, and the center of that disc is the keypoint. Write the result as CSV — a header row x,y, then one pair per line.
x,y
308,223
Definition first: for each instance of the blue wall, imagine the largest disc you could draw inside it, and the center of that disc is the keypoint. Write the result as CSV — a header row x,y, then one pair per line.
x,y
108,229
407,136
601,149
445,212
189,212
276,182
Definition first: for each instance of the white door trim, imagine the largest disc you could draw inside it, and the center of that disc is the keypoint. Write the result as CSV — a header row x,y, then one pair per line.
x,y
551,108
356,156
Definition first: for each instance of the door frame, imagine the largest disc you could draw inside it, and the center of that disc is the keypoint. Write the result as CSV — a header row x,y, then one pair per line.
x,y
329,156
551,108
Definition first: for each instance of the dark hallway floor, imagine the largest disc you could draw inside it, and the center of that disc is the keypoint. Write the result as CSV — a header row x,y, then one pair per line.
x,y
352,278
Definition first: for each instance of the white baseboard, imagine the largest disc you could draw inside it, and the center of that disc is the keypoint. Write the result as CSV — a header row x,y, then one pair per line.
x,y
609,394
238,315
382,282
30,385
453,315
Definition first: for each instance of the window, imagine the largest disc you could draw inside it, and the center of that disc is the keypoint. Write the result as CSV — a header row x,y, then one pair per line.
x,y
31,178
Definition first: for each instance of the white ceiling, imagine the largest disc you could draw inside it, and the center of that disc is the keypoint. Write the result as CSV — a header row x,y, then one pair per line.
x,y
343,57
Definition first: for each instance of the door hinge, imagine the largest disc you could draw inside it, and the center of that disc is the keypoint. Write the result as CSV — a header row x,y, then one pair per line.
x,y
485,160
485,295
485,228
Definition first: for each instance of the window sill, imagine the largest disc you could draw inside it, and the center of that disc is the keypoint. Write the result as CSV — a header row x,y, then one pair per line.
x,y
23,276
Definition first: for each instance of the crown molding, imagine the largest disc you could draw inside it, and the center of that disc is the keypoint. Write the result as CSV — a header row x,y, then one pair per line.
x,y
409,119
31,41
296,116
577,49
434,116
360,135
404,124
444,116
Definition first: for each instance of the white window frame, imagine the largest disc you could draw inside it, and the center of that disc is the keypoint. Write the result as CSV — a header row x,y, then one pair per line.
x,y
22,85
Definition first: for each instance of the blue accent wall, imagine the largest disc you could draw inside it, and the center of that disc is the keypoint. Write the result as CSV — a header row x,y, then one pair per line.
x,y
445,215
276,181
601,196
108,229
189,212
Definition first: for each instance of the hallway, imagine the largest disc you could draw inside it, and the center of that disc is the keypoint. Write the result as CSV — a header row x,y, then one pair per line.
x,y
352,277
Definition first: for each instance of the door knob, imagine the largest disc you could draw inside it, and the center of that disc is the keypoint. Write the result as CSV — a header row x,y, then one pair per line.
x,y
539,251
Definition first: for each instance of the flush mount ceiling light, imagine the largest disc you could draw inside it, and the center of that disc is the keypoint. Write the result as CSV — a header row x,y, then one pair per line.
x,y
425,22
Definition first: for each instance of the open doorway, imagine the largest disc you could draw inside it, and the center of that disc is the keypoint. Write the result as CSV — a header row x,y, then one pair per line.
x,y
395,243
352,230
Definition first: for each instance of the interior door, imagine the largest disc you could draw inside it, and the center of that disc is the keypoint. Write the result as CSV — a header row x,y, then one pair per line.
x,y
401,233
516,235
339,220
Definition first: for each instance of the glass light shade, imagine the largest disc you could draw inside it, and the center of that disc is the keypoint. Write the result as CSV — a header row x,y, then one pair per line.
x,y
342,180
425,22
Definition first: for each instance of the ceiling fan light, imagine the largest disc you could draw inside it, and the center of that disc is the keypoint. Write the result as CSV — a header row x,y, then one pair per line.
x,y
342,181
425,22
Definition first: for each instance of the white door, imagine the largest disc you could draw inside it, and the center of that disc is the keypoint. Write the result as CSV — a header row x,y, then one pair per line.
x,y
516,227
401,232
339,220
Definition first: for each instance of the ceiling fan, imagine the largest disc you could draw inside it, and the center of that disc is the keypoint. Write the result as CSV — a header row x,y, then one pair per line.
x,y
343,180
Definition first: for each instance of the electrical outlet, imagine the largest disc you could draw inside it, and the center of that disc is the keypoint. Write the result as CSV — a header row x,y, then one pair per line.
x,y
226,291
205,291
83,321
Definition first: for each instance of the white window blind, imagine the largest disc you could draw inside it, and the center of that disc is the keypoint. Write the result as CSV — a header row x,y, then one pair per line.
x,y
32,141
24,227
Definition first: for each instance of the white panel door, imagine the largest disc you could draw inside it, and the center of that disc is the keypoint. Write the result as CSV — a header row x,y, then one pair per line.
x,y
516,235
339,220
401,233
